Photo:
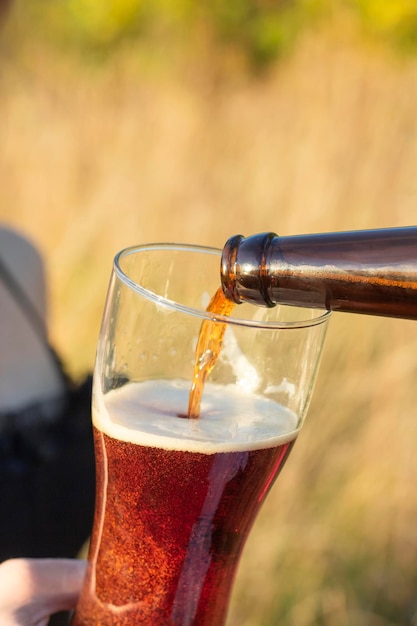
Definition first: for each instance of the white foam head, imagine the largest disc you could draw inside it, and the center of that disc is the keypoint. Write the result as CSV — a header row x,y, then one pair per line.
x,y
147,414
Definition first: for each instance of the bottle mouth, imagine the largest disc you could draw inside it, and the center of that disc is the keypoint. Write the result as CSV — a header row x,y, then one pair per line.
x,y
228,268
244,273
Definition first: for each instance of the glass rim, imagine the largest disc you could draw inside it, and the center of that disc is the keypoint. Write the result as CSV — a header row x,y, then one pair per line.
x,y
322,314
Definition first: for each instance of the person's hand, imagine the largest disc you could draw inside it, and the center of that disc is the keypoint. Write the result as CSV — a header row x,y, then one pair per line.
x,y
31,590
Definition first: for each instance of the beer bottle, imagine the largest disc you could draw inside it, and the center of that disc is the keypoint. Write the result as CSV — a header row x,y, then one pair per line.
x,y
370,271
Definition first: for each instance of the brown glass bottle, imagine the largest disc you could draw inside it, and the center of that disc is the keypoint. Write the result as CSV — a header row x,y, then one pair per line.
x,y
373,272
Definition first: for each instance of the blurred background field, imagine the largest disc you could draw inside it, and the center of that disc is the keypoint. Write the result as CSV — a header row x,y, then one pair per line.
x,y
135,121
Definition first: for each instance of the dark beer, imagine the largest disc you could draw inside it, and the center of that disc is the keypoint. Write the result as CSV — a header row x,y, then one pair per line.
x,y
176,499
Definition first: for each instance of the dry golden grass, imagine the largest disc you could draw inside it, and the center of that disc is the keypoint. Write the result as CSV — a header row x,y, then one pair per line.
x,y
95,159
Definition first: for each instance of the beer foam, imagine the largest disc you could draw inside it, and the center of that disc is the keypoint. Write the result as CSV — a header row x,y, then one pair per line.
x,y
147,413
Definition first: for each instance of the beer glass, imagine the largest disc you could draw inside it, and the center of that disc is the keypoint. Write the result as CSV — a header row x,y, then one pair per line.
x,y
177,496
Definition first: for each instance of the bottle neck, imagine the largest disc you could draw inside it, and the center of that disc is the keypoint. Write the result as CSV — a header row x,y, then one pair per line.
x,y
372,272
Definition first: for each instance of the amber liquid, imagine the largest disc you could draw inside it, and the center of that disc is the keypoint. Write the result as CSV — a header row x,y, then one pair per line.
x,y
170,527
170,524
209,345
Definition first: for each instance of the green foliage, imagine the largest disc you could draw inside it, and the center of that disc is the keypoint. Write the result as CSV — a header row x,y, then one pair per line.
x,y
86,24
258,30
393,21
261,30
102,22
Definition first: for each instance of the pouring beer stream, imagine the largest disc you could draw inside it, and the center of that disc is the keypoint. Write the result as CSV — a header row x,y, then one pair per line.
x,y
209,346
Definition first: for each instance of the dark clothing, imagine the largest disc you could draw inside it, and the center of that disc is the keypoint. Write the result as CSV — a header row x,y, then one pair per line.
x,y
47,480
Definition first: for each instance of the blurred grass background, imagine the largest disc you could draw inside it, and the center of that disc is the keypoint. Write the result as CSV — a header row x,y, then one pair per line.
x,y
134,121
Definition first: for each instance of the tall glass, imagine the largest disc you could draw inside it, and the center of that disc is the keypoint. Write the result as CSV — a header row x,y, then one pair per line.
x,y
177,497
